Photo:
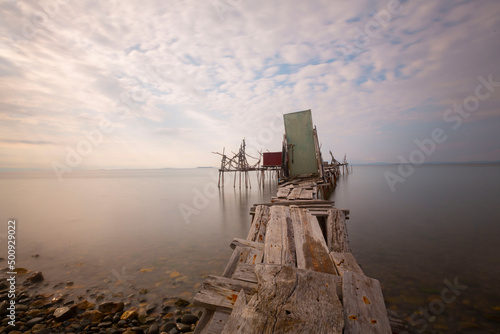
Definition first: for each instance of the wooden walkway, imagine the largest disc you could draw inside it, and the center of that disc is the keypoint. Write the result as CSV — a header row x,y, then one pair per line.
x,y
294,273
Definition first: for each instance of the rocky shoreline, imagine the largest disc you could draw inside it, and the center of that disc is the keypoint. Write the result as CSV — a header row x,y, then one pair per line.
x,y
44,313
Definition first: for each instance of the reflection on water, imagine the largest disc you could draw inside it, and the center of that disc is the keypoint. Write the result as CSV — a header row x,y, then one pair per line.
x,y
442,222
163,230
123,231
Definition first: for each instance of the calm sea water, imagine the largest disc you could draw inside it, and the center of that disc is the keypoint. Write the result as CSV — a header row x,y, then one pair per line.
x,y
120,231
442,223
116,232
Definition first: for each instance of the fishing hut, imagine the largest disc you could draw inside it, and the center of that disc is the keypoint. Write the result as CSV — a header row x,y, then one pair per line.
x,y
294,272
300,147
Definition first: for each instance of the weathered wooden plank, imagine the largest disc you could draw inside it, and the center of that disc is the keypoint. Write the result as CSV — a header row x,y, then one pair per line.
x,y
337,232
300,202
243,318
257,231
306,184
240,254
345,262
295,193
318,212
279,245
306,194
288,257
364,306
218,322
217,291
246,243
254,255
290,300
298,234
283,192
311,250
273,244
204,321
245,272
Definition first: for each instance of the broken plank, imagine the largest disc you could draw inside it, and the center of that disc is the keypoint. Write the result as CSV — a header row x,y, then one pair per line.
x,y
364,306
258,229
240,254
218,322
306,194
204,321
337,232
345,262
318,212
283,192
217,291
254,256
310,247
245,272
290,300
245,243
300,202
295,193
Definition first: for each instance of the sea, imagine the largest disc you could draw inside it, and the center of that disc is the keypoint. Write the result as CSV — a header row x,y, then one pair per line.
x,y
433,241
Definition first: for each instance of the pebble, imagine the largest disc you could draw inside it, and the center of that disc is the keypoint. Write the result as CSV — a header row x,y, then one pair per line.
x,y
43,313
44,331
34,321
189,319
63,313
183,327
138,330
35,277
153,329
93,316
130,314
21,308
3,307
150,308
168,327
166,309
181,302
105,324
111,307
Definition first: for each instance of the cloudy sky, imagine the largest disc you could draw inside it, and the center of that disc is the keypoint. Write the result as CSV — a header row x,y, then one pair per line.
x,y
153,84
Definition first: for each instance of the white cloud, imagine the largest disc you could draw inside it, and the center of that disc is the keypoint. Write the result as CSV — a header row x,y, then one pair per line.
x,y
180,68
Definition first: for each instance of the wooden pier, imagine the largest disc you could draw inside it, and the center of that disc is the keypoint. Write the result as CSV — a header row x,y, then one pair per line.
x,y
294,272
239,165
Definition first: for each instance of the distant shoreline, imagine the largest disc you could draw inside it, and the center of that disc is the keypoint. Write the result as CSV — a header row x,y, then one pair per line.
x,y
8,170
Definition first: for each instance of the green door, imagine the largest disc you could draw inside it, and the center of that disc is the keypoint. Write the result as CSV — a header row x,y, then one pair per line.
x,y
300,138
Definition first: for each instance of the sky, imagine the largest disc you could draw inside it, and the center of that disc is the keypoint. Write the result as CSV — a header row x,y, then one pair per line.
x,y
156,84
